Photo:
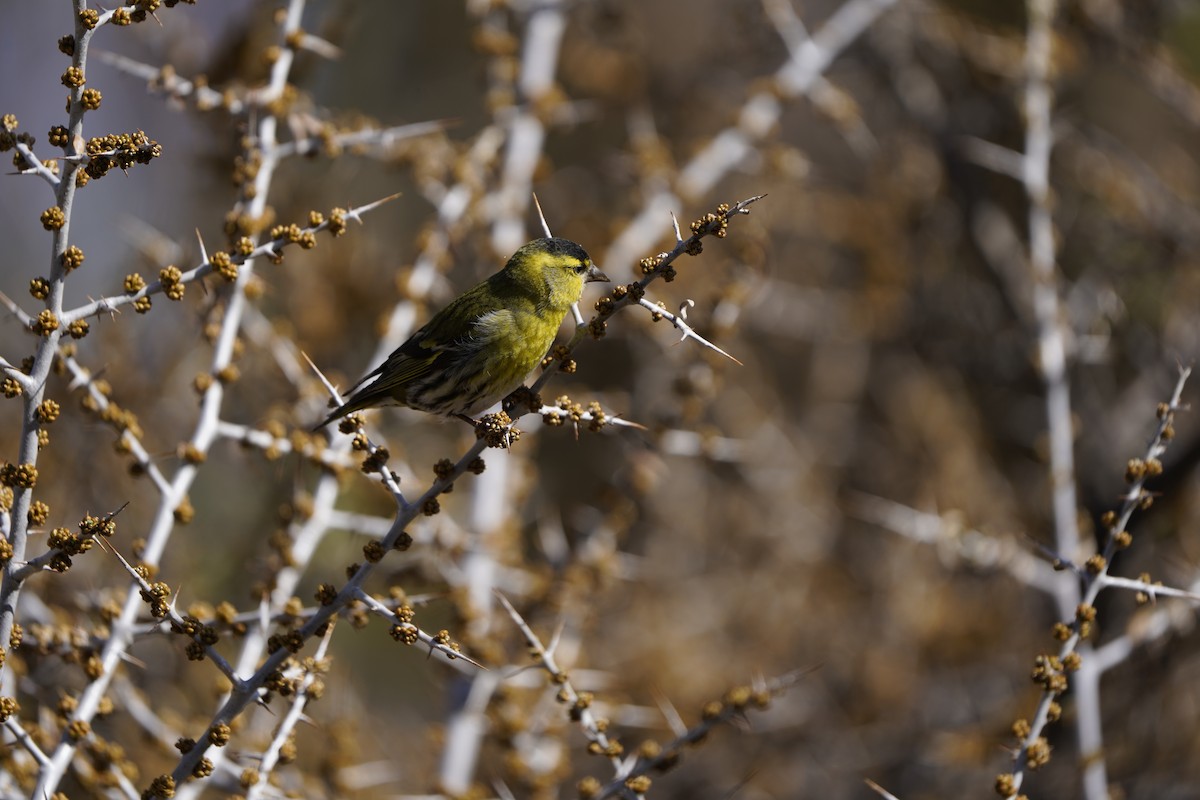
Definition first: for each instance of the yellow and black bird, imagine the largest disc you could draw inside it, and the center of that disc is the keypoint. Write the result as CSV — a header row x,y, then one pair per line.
x,y
480,347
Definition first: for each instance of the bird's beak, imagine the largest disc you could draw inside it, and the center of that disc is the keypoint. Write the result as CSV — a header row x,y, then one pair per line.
x,y
594,274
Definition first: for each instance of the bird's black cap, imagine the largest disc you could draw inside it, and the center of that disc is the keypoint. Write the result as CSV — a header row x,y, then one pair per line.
x,y
565,247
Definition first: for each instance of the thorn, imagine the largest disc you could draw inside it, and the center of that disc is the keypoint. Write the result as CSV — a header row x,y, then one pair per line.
x,y
137,662
264,614
356,214
740,208
556,637
319,46
687,331
675,223
82,379
321,377
678,727
108,517
460,657
203,251
15,310
542,217
879,790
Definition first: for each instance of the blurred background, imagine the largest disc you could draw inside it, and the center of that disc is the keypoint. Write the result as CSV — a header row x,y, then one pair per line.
x,y
856,500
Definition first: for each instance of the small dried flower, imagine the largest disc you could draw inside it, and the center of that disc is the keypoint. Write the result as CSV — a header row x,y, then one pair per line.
x,y
73,78
53,218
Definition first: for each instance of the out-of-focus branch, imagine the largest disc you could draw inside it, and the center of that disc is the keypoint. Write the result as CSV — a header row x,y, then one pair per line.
x,y
950,536
526,131
758,117
1052,671
270,249
1052,359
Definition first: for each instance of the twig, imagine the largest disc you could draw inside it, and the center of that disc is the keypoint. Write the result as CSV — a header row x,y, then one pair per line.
x,y
689,332
1095,581
271,248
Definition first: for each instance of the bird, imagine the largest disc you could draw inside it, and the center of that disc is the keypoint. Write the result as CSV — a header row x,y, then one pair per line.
x,y
480,347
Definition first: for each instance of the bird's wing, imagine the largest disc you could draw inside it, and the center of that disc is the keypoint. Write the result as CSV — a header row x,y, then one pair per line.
x,y
411,360
443,339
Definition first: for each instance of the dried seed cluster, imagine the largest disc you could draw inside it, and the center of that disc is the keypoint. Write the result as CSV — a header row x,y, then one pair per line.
x,y
497,430
121,150
72,258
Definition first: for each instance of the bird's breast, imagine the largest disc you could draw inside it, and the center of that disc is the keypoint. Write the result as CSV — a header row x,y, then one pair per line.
x,y
518,339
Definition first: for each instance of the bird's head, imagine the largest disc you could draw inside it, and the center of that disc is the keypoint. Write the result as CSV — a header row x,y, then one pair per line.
x,y
555,269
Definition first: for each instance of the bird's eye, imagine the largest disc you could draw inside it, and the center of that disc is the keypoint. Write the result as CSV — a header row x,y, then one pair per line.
x,y
580,268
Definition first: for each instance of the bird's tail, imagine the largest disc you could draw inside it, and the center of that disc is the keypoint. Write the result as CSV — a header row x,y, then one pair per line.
x,y
360,399
337,413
